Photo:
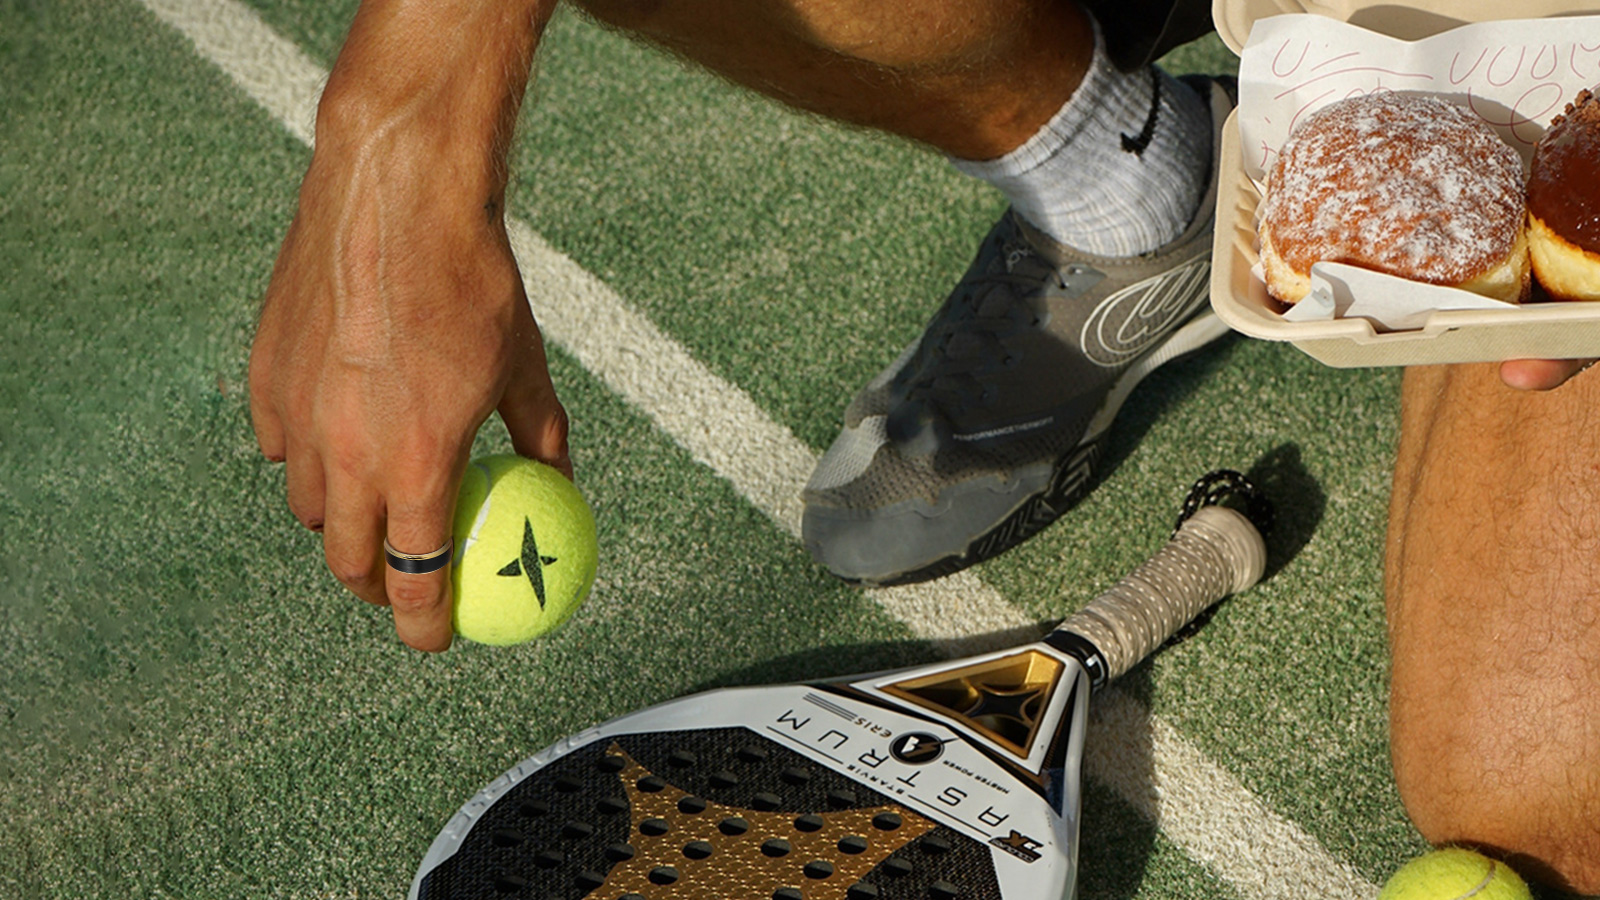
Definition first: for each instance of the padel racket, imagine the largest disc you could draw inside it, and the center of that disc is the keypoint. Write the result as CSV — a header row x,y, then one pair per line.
x,y
952,781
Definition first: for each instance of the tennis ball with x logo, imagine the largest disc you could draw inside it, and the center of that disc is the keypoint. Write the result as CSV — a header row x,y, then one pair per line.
x,y
525,553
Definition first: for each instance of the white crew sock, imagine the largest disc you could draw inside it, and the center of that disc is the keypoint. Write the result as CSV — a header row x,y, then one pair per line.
x,y
1088,180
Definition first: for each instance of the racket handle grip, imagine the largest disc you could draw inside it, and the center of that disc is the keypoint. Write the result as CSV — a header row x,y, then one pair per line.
x,y
1215,553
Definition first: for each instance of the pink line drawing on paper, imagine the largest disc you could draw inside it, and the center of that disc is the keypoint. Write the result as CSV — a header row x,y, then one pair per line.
x,y
1555,60
1350,71
1267,152
1515,117
1475,63
1276,59
1308,106
1573,59
1489,72
1333,59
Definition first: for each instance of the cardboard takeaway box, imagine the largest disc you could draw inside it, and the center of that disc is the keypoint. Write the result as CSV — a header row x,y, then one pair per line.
x,y
1296,55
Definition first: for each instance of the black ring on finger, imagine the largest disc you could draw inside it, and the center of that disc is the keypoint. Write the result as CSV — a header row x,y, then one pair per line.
x,y
417,564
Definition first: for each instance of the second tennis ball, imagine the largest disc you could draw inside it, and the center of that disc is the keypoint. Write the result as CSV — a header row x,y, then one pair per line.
x,y
525,550
1452,874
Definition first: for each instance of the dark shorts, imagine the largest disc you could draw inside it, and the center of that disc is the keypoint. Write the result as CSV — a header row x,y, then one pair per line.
x,y
1139,31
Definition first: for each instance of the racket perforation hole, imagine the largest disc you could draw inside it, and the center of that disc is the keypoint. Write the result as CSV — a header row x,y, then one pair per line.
x,y
862,890
507,837
724,779
619,852
898,868
841,799
936,843
533,809
691,806
651,784
549,859
654,827
943,890
697,849
611,764
509,884
819,869
567,785
752,754
775,847
809,823
795,775
682,759
577,830
765,802
853,844
663,875
787,893
612,805
589,879
886,821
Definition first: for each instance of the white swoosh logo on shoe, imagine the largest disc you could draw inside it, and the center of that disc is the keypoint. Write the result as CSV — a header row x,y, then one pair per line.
x,y
1128,322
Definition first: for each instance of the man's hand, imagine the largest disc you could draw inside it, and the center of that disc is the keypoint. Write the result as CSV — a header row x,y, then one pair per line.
x,y
395,320
1540,374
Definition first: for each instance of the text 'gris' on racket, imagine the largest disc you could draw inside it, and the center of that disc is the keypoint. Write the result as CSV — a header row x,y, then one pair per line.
x,y
949,781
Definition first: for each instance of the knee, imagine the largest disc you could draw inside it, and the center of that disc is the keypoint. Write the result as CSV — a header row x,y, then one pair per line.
x,y
942,36
1526,792
1493,594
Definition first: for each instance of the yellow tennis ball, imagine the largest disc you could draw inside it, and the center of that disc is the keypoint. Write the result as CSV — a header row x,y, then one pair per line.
x,y
525,550
1455,873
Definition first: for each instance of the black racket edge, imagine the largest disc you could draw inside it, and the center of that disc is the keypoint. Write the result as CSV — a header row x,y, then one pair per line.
x,y
1221,487
1230,488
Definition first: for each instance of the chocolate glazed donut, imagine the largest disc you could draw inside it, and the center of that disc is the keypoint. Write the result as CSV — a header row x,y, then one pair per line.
x,y
1564,203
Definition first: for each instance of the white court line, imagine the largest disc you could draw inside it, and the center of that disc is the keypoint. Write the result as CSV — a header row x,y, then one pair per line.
x,y
1198,805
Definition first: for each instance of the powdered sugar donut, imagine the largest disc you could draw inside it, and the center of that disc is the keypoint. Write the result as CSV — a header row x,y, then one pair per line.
x,y
1407,184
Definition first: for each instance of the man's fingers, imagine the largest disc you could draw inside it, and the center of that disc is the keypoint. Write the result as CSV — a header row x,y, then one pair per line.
x,y
269,431
352,538
1540,374
263,417
534,416
307,488
417,572
539,431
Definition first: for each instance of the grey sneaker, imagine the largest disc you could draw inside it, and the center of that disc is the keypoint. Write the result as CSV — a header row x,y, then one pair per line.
x,y
988,427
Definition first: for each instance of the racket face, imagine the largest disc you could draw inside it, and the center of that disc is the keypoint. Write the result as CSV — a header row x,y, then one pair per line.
x,y
847,790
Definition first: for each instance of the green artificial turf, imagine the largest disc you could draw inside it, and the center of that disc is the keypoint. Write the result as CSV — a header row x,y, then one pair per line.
x,y
193,707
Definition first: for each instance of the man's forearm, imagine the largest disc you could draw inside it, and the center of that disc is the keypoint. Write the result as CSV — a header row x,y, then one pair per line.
x,y
445,77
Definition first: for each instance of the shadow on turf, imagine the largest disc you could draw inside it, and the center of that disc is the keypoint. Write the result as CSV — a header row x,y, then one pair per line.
x,y
1280,473
1161,390
1298,502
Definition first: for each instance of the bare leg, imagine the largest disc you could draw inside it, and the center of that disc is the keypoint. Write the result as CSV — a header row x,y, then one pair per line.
x,y
974,78
1493,583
